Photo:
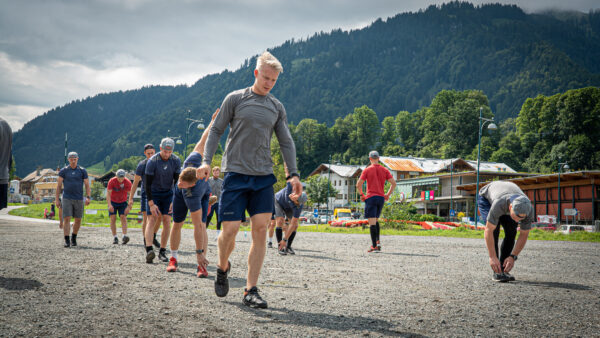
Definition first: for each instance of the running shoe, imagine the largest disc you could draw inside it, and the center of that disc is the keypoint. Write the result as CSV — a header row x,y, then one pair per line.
x,y
162,256
270,245
509,277
372,249
253,299
150,256
67,244
290,251
73,241
283,252
221,282
378,247
125,240
172,267
500,277
116,241
202,273
156,243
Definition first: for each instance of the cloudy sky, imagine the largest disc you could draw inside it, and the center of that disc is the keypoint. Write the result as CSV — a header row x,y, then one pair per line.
x,y
56,51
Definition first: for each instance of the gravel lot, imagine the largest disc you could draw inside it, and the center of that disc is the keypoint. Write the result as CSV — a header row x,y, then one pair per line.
x,y
418,286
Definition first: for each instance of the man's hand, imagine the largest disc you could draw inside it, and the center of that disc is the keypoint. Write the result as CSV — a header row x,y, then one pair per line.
x,y
171,208
363,197
495,264
203,173
111,209
282,244
154,210
386,197
202,260
87,201
128,209
294,198
296,185
57,202
509,263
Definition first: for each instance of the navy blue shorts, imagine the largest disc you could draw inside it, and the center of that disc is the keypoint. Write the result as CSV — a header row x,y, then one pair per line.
x,y
484,208
163,200
143,202
119,207
373,206
205,208
182,203
246,192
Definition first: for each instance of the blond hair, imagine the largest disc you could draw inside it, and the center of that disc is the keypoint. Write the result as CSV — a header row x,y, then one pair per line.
x,y
188,175
269,60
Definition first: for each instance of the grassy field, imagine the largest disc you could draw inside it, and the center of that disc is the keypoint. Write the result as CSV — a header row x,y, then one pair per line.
x,y
101,219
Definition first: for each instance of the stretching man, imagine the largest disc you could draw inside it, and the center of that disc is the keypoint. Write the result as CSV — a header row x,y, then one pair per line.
x,y
116,198
504,203
190,195
252,114
375,175
215,183
140,174
287,204
74,178
162,172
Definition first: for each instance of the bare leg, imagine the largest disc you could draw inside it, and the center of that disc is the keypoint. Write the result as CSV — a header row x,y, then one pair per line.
x,y
226,242
123,224
258,248
149,234
67,226
164,237
76,225
113,225
176,235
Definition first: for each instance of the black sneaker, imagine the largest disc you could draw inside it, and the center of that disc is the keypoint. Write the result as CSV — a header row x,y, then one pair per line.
x,y
162,256
67,244
150,256
269,245
73,241
253,299
283,252
509,277
156,243
290,251
500,277
125,240
116,241
221,282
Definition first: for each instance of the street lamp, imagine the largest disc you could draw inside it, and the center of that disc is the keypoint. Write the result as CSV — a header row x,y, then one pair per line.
x,y
190,123
177,139
328,185
491,126
561,165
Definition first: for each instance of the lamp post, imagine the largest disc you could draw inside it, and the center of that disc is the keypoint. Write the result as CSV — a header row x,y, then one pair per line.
x,y
66,162
491,126
177,139
328,190
190,123
451,170
561,165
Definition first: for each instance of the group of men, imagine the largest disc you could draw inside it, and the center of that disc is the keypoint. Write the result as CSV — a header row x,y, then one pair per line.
x,y
253,115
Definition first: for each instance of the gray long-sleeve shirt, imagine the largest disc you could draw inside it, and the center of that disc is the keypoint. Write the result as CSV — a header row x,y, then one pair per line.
x,y
5,151
253,119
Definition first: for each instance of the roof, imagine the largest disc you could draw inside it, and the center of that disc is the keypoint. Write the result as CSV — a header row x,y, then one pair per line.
x,y
341,170
434,165
544,181
33,176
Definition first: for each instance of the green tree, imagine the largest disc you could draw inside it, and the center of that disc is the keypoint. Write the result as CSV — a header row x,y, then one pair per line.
x,y
318,188
97,190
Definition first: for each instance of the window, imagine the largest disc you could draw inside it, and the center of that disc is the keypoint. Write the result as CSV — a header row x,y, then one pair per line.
x,y
346,183
334,183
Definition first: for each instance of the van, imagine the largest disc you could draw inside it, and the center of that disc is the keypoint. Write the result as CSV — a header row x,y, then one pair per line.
x,y
569,228
342,214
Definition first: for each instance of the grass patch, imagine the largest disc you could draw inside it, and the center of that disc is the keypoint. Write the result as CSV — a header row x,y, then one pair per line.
x,y
101,219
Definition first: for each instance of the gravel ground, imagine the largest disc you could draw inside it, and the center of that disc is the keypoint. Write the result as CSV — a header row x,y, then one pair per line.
x,y
417,286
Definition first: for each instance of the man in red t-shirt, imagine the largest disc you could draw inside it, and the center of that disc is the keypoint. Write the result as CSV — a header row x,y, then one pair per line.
x,y
375,175
116,197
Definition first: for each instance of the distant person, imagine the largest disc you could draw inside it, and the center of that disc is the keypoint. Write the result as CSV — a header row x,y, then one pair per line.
x,y
116,197
215,183
139,179
252,114
162,173
5,161
191,194
287,205
375,175
73,177
504,203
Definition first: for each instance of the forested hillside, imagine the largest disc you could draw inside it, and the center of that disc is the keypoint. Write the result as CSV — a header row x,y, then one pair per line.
x,y
393,67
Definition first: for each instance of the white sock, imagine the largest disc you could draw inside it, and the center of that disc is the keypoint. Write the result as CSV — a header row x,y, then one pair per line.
x,y
271,239
116,237
174,254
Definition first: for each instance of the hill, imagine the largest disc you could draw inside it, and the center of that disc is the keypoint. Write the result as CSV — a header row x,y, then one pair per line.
x,y
393,65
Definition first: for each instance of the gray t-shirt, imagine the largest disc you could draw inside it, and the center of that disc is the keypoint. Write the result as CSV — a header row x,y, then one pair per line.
x,y
499,194
215,186
5,151
253,119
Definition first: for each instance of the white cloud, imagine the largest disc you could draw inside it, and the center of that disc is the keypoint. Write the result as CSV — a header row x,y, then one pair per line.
x,y
17,116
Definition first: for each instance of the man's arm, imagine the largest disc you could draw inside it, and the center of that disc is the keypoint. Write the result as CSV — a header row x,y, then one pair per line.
x,y
59,185
509,262
359,186
488,235
216,130
136,181
286,144
88,190
108,199
199,148
392,187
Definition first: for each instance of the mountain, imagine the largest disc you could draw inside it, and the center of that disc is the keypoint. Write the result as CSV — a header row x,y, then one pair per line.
x,y
392,65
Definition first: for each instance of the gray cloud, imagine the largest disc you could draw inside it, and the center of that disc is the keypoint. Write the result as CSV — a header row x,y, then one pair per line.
x,y
52,52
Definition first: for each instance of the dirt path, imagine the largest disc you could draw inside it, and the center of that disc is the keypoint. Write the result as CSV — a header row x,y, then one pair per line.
x,y
418,286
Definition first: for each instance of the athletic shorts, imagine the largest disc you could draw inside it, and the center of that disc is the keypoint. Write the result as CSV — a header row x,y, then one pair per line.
x,y
484,208
205,208
181,205
163,200
119,207
72,208
373,206
143,202
281,212
245,192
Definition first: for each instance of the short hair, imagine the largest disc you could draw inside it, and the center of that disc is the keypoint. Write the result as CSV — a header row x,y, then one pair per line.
x,y
268,59
216,168
188,175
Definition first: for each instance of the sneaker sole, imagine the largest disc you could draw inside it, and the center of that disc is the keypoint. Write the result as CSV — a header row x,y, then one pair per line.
x,y
150,257
172,270
224,292
500,280
125,241
255,306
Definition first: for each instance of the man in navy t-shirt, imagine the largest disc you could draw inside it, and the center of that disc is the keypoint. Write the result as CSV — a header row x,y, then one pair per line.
x,y
287,205
162,172
73,177
140,174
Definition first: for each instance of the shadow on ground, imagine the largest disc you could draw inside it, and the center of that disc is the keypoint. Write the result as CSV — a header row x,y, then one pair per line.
x,y
324,320
19,284
568,286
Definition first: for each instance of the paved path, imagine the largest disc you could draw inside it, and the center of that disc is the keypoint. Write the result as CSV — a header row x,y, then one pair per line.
x,y
418,286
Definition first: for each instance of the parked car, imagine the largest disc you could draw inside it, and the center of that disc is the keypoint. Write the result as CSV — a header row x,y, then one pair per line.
x,y
323,219
569,228
543,226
